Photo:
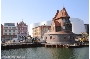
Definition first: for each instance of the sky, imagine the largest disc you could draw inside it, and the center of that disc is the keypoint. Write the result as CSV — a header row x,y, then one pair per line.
x,y
33,11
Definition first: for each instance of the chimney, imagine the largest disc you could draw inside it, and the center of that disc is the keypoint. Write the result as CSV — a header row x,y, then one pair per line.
x,y
57,11
17,23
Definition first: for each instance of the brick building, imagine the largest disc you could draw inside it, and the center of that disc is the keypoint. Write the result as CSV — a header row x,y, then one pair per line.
x,y
61,29
22,29
40,30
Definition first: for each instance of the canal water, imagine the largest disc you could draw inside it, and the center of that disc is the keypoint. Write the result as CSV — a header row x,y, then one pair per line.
x,y
46,53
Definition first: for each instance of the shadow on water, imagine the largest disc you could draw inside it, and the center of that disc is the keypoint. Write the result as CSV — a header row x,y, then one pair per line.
x,y
48,53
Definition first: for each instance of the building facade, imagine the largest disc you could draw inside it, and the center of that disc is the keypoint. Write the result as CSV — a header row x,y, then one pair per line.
x,y
77,25
61,29
10,30
40,30
1,31
22,29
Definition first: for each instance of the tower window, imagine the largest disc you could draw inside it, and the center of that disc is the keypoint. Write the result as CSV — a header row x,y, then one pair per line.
x,y
70,37
46,37
63,20
50,37
63,27
64,37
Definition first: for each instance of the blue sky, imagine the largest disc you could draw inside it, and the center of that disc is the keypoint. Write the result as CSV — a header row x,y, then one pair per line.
x,y
33,11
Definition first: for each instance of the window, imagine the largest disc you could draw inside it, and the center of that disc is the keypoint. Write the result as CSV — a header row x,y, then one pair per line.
x,y
5,33
13,30
6,27
63,27
50,37
25,28
13,33
5,30
18,28
64,37
9,30
46,37
10,27
48,28
9,33
19,33
58,28
25,32
13,27
69,37
67,20
53,38
63,20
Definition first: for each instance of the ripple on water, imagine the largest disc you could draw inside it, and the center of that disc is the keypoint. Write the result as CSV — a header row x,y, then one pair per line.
x,y
48,53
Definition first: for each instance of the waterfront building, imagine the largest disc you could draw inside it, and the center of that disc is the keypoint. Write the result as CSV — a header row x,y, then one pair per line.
x,y
61,29
40,30
77,25
87,28
10,31
22,30
33,25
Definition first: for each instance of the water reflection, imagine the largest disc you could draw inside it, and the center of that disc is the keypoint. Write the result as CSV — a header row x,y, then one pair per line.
x,y
48,53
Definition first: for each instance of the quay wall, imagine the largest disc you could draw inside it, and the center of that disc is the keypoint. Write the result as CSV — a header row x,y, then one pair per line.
x,y
60,38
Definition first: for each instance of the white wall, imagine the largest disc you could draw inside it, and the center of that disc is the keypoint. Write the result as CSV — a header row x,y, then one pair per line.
x,y
77,25
33,25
